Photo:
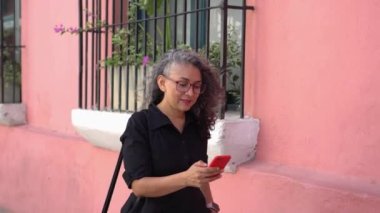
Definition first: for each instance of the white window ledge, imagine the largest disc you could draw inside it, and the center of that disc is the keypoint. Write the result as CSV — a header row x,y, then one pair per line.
x,y
12,114
236,137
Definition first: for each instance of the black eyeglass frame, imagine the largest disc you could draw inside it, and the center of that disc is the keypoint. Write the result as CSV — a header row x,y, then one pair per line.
x,y
202,87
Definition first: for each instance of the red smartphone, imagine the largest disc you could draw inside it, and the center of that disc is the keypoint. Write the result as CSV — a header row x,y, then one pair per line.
x,y
220,161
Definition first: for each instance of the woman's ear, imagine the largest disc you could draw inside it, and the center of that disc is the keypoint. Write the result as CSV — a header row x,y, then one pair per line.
x,y
161,83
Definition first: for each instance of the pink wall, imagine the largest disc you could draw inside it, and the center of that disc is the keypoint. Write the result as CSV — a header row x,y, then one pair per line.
x,y
46,171
49,63
311,80
316,84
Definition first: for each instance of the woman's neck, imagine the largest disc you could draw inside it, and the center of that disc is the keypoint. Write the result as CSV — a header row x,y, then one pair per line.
x,y
170,112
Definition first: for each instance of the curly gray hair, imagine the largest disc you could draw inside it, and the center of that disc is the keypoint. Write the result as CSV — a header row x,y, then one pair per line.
x,y
208,102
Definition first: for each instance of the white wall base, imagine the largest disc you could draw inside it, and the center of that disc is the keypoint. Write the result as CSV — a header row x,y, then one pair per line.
x,y
236,137
12,114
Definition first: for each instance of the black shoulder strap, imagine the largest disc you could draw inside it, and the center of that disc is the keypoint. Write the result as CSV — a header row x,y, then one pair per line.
x,y
113,182
116,172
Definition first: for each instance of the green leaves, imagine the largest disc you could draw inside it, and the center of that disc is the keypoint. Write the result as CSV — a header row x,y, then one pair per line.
x,y
149,5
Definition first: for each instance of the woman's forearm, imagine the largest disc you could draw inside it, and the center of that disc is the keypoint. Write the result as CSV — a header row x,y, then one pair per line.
x,y
159,186
198,175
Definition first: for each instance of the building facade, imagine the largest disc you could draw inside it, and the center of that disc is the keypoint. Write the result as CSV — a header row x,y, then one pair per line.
x,y
310,77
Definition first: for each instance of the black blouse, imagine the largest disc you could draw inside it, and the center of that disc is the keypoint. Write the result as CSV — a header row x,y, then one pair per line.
x,y
153,147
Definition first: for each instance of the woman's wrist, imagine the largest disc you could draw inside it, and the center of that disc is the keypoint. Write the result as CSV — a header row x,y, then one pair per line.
x,y
213,206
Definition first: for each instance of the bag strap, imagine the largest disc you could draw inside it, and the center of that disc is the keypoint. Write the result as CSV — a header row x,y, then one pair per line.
x,y
116,173
113,182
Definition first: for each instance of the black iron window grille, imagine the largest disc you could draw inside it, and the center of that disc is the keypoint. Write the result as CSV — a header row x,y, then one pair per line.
x,y
10,52
119,37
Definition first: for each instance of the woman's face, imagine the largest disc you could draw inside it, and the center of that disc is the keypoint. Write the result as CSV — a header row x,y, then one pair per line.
x,y
181,86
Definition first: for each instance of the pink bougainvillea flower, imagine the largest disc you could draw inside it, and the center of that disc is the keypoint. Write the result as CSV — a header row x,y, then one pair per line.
x,y
145,61
73,30
59,29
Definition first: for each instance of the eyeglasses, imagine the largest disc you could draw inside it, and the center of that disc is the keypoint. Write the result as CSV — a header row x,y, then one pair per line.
x,y
184,86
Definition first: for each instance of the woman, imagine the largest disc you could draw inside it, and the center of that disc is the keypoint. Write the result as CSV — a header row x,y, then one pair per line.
x,y
165,146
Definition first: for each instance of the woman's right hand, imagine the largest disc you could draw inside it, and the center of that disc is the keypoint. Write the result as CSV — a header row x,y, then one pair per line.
x,y
199,174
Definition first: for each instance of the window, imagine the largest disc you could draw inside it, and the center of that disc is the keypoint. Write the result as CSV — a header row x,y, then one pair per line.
x,y
117,37
10,52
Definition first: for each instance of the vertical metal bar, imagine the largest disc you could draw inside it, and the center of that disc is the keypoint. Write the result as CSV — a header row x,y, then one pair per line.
x,y
112,48
1,52
20,53
106,56
136,53
2,80
97,55
95,46
155,32
175,24
223,51
92,55
14,56
80,54
128,55
208,29
86,70
242,83
184,21
98,66
120,71
164,35
145,40
196,25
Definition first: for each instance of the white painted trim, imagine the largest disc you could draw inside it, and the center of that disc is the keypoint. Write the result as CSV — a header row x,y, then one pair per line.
x,y
236,137
100,128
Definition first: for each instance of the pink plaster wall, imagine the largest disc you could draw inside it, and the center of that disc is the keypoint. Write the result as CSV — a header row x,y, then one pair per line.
x,y
315,84
311,80
46,171
49,63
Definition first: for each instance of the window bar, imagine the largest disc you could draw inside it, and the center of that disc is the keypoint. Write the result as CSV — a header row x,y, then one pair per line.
x,y
145,33
92,56
86,62
20,49
184,21
95,64
223,51
112,49
1,52
20,52
14,56
155,32
137,63
175,24
242,84
208,30
196,25
165,25
98,51
127,59
80,53
120,70
105,56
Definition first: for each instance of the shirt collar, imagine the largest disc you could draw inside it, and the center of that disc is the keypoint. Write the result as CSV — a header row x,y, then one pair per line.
x,y
159,119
